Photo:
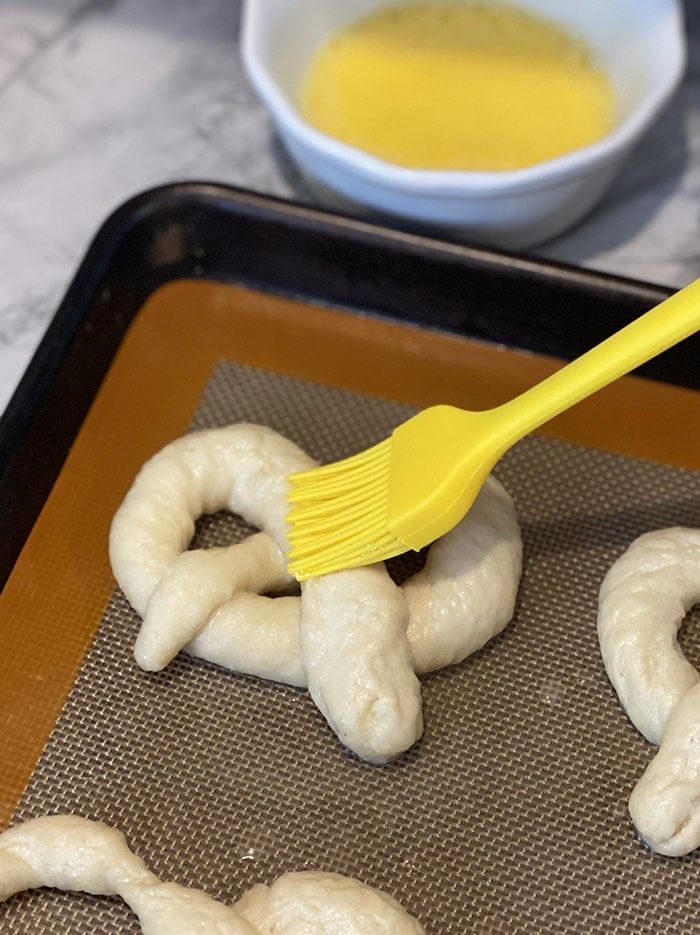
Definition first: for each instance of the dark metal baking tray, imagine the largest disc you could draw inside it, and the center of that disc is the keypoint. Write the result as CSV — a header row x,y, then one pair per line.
x,y
222,233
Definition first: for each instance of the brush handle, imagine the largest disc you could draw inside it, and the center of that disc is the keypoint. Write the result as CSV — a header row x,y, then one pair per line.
x,y
665,325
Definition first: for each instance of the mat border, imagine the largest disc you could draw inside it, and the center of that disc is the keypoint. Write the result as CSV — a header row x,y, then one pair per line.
x,y
56,592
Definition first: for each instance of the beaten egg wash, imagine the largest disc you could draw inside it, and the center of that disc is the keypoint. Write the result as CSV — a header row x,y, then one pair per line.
x,y
458,86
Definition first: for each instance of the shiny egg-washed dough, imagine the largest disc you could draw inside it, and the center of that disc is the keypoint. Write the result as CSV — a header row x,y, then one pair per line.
x,y
643,601
353,639
75,854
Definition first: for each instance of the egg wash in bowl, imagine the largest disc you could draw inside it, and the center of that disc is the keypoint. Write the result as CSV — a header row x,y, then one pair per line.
x,y
458,86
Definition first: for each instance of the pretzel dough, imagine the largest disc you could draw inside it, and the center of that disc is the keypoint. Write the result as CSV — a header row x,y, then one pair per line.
x,y
305,903
76,854
643,600
665,803
354,639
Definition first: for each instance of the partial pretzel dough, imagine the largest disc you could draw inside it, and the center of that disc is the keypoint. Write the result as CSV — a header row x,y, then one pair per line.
x,y
643,600
76,854
354,639
306,903
665,803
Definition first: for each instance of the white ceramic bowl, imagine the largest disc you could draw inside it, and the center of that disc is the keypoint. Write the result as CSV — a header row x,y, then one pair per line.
x,y
640,42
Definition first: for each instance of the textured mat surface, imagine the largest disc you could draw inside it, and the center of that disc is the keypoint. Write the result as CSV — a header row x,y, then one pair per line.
x,y
509,815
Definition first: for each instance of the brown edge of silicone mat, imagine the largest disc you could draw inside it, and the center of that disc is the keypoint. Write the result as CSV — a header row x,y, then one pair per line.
x,y
56,594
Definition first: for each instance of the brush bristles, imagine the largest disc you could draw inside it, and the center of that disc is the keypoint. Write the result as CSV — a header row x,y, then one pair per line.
x,y
338,517
310,484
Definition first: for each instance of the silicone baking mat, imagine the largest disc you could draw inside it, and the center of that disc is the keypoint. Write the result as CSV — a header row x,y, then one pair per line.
x,y
509,815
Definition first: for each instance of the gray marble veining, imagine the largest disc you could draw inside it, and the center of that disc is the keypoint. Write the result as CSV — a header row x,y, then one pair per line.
x,y
102,98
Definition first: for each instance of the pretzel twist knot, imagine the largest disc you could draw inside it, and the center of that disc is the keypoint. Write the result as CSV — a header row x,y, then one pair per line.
x,y
353,638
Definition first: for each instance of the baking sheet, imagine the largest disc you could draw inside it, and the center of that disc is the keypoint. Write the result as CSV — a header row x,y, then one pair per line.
x,y
509,815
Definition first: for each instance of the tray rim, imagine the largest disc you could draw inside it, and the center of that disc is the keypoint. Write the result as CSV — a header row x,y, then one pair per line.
x,y
38,428
116,227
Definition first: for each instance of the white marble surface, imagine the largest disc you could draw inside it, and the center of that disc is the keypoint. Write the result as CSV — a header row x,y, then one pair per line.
x,y
102,98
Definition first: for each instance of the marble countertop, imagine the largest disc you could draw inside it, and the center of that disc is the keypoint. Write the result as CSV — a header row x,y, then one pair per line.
x,y
102,98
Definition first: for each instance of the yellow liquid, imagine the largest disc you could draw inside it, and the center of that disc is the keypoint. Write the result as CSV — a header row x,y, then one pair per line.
x,y
458,86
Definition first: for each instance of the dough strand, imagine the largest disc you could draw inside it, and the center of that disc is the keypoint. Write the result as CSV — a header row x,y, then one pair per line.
x,y
75,854
643,601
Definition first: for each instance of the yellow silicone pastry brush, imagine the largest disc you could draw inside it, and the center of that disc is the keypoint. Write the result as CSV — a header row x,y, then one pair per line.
x,y
416,485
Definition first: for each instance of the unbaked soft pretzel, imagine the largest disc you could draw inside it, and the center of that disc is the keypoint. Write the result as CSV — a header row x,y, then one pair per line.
x,y
353,638
75,854
643,601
